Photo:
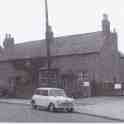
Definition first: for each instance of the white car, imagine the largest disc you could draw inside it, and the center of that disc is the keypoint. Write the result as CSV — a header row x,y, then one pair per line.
x,y
52,99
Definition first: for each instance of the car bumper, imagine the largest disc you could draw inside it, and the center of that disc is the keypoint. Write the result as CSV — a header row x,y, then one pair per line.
x,y
65,106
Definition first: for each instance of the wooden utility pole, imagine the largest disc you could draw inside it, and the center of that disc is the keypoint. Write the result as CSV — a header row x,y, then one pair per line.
x,y
48,37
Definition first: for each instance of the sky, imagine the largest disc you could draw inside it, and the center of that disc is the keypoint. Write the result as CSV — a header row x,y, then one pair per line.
x,y
25,19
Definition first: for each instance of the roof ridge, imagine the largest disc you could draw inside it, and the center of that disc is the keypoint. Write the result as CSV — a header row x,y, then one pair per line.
x,y
25,42
81,34
65,36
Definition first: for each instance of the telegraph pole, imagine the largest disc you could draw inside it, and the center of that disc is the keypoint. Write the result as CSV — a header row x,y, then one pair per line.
x,y
48,36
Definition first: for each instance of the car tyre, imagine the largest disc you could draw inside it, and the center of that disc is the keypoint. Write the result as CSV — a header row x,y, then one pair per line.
x,y
34,106
51,107
70,109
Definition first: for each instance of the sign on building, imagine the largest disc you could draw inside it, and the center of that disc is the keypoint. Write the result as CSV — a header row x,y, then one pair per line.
x,y
118,86
86,84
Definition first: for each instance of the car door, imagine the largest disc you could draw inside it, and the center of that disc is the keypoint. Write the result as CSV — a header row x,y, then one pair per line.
x,y
43,98
36,97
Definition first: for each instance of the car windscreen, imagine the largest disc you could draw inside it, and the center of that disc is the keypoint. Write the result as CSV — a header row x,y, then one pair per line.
x,y
57,93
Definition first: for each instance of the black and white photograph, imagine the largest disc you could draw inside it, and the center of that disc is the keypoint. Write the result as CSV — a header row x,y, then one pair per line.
x,y
61,61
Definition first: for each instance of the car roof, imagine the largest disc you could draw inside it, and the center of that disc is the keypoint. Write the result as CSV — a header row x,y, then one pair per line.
x,y
48,88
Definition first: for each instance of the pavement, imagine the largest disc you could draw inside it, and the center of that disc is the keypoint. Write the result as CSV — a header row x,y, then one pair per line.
x,y
104,107
15,101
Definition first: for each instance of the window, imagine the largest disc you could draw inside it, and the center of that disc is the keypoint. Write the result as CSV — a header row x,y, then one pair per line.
x,y
44,75
41,92
44,92
83,76
57,93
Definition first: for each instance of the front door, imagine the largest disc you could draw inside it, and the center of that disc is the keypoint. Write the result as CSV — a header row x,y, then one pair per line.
x,y
42,98
23,89
93,88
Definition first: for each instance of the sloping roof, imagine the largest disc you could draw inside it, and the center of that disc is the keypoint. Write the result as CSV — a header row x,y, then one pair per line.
x,y
66,45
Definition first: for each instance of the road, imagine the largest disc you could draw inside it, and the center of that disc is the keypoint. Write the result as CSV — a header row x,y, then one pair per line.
x,y
24,113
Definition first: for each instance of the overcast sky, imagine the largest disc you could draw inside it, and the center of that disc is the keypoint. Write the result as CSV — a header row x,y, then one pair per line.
x,y
24,19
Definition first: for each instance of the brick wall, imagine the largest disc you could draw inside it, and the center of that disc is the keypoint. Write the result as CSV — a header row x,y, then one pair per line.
x,y
121,68
6,71
108,89
77,64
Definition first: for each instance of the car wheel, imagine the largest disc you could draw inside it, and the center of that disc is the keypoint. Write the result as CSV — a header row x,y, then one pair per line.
x,y
34,106
51,107
70,109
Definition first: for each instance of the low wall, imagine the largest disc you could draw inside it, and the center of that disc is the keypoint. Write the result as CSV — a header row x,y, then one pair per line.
x,y
108,89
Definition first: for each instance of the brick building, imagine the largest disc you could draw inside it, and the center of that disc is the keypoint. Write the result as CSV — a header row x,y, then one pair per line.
x,y
83,64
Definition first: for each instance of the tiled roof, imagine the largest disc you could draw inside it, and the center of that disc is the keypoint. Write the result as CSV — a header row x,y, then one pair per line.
x,y
66,45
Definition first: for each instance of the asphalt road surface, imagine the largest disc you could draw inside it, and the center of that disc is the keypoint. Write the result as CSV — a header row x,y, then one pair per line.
x,y
24,113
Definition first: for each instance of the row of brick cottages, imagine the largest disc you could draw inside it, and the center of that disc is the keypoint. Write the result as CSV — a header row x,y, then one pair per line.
x,y
84,65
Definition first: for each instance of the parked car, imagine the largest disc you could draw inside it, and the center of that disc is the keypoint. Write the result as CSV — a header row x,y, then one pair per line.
x,y
52,99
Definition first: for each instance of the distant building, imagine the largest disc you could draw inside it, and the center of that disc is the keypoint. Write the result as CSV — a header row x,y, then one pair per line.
x,y
83,64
